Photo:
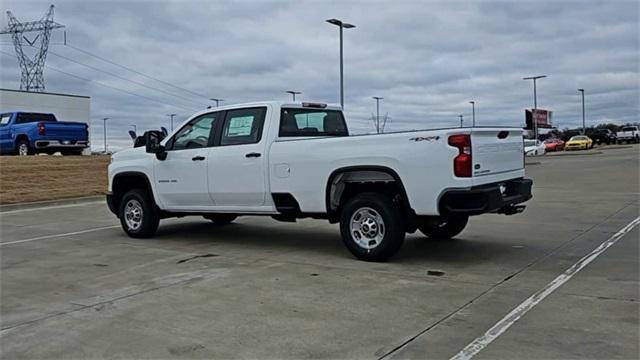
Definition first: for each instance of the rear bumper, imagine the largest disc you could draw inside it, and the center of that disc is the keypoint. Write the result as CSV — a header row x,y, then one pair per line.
x,y
497,197
57,144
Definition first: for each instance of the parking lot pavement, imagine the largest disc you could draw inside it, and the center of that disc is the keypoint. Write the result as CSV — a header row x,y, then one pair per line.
x,y
72,285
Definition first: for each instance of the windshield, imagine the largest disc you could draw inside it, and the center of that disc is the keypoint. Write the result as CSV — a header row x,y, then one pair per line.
x,y
629,128
529,143
578,138
312,122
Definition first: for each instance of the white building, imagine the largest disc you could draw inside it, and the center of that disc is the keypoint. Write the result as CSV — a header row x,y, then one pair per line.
x,y
64,106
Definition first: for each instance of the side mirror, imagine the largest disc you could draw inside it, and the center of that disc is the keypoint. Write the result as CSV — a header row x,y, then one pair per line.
x,y
152,139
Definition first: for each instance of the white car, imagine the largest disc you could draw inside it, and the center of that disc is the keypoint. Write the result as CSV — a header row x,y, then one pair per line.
x,y
534,147
297,160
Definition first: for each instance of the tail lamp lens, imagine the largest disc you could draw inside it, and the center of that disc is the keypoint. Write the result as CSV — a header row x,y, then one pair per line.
x,y
41,128
462,162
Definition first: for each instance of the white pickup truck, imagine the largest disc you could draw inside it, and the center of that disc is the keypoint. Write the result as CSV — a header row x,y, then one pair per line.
x,y
628,134
297,160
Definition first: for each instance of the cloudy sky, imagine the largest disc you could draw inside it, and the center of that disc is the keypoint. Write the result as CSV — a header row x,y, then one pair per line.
x,y
426,58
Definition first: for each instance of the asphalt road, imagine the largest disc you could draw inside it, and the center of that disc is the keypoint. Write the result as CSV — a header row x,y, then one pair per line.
x,y
74,286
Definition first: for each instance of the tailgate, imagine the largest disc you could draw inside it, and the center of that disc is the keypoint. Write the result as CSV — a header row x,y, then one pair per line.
x,y
66,130
496,150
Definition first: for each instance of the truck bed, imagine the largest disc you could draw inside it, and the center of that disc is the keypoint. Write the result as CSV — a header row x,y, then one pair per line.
x,y
421,158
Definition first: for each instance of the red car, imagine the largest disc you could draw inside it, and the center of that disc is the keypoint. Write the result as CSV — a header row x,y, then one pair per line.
x,y
553,145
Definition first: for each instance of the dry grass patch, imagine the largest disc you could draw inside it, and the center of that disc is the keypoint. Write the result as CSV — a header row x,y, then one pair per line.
x,y
42,177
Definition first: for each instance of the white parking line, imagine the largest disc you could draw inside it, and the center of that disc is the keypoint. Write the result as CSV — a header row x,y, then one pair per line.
x,y
50,207
58,235
501,326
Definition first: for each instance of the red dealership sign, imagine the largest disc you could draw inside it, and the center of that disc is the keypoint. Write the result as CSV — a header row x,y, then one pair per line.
x,y
543,118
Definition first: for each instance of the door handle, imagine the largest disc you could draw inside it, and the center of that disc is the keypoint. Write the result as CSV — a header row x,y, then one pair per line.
x,y
253,155
197,158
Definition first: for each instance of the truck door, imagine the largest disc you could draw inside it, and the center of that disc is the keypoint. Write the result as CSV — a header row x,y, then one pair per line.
x,y
181,178
237,170
6,142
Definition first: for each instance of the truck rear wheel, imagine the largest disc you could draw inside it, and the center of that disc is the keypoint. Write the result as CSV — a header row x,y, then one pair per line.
x,y
443,227
138,215
372,227
221,219
23,148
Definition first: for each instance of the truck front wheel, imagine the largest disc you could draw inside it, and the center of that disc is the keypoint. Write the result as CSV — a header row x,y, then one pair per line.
x,y
442,227
372,227
137,214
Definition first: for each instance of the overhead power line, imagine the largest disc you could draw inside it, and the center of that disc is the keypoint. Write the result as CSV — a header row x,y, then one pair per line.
x,y
107,86
125,79
135,71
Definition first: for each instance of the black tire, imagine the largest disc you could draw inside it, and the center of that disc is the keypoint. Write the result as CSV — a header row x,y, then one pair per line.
x,y
443,227
385,238
221,219
21,146
148,219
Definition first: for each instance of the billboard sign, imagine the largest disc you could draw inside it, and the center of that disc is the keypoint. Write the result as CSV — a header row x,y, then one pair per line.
x,y
544,118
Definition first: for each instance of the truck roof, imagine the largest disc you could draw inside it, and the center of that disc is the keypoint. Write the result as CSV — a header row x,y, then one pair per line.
x,y
274,103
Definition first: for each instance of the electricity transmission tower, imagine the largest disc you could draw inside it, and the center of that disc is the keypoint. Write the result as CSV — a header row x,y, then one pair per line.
x,y
32,78
380,122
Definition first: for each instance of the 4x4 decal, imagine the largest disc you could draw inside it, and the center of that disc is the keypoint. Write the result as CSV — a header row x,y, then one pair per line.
x,y
425,138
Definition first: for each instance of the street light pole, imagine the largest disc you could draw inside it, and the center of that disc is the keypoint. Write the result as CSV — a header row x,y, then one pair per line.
x,y
104,133
377,98
218,101
473,109
171,116
584,128
461,120
342,25
293,93
535,103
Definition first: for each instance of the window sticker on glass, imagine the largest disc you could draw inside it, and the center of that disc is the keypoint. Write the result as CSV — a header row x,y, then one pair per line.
x,y
5,120
240,126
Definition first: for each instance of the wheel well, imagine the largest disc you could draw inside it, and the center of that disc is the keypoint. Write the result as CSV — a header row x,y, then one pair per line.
x,y
345,183
128,181
20,138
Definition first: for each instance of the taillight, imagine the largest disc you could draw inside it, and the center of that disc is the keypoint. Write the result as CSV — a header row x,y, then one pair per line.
x,y
41,128
462,162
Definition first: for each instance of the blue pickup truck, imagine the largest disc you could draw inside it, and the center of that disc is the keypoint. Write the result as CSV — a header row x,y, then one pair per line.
x,y
26,133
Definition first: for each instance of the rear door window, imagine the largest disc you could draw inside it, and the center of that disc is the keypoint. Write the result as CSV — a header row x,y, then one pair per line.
x,y
4,119
243,126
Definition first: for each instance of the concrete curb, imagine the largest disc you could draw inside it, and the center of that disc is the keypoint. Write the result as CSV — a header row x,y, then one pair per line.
x,y
47,203
614,147
573,153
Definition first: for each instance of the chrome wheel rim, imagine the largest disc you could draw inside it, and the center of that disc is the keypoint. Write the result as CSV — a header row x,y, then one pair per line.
x,y
23,150
367,228
133,214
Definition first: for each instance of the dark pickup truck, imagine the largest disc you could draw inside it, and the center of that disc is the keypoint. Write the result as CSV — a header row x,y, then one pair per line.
x,y
26,133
